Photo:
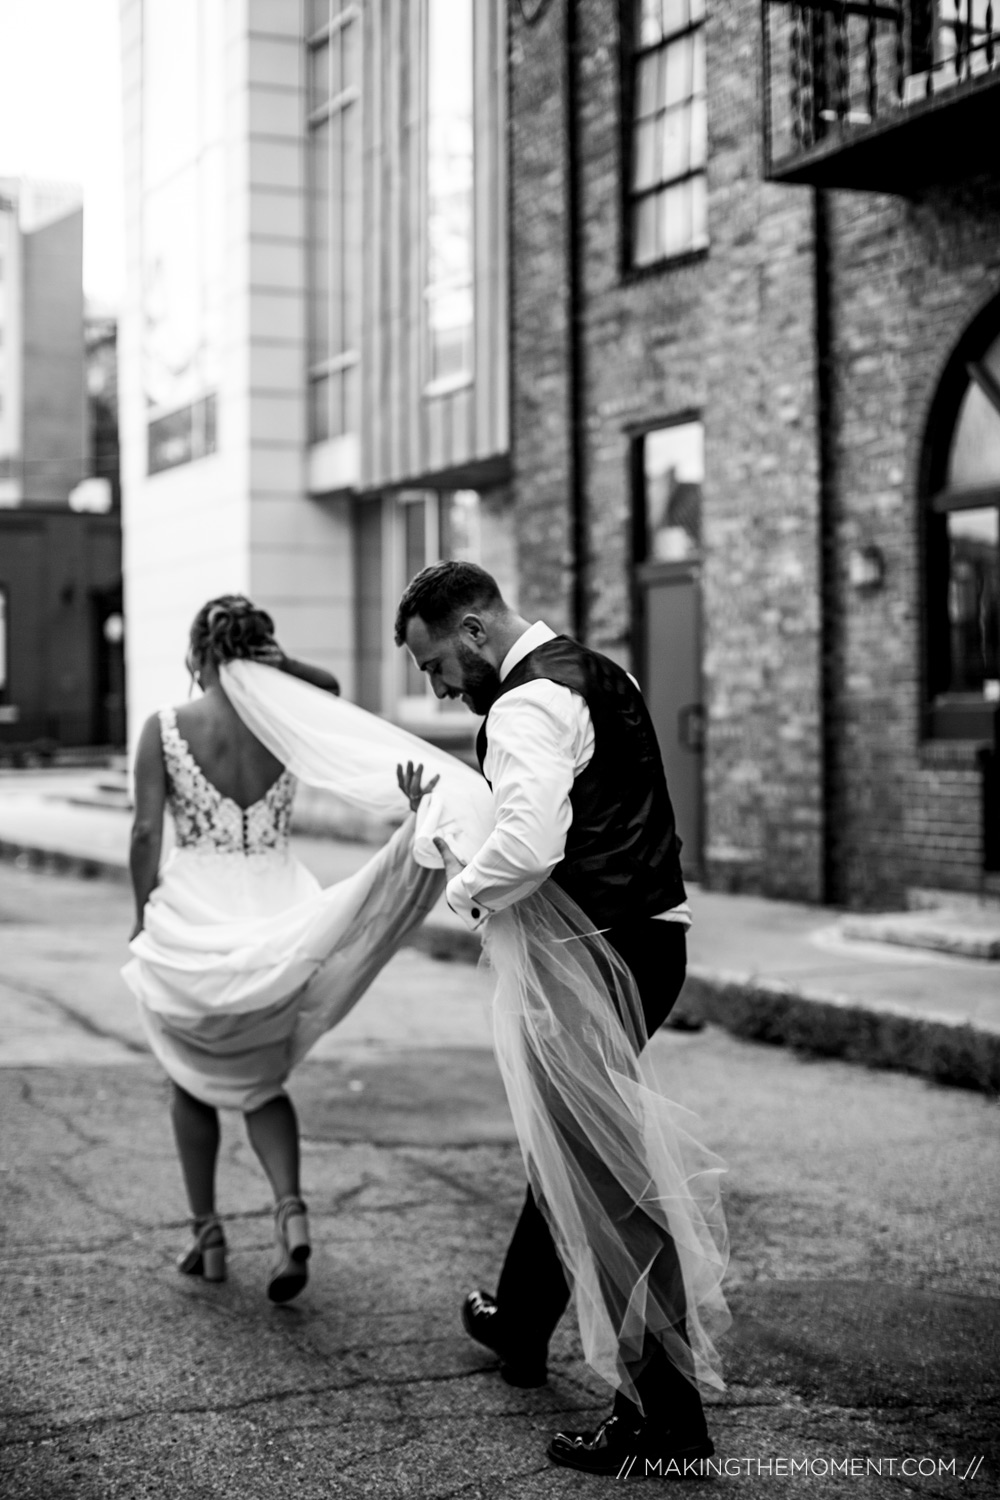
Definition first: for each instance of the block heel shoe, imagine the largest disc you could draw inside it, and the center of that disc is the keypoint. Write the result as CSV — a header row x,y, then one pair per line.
x,y
289,1273
207,1256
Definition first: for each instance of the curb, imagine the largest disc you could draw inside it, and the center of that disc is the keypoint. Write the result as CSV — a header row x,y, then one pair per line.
x,y
747,1005
58,862
831,1025
822,1023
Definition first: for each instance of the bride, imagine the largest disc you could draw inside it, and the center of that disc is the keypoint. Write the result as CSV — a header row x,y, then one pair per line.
x,y
240,960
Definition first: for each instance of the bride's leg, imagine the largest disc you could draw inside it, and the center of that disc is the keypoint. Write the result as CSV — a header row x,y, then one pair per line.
x,y
274,1135
196,1131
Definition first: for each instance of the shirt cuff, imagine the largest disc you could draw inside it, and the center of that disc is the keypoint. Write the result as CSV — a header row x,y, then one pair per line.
x,y
464,904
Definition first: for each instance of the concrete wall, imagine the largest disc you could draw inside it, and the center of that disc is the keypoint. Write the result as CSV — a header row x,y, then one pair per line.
x,y
11,354
54,420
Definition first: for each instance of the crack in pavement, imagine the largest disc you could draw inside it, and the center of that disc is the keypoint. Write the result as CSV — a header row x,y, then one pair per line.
x,y
44,1107
140,1414
450,1179
76,1017
89,1201
276,1398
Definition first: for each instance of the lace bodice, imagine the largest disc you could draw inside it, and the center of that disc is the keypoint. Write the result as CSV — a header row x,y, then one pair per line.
x,y
205,819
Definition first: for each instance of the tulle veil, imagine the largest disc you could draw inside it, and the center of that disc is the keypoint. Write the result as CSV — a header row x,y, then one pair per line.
x,y
632,1198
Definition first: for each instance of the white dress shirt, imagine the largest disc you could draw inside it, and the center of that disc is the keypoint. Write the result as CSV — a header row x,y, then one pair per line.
x,y
541,737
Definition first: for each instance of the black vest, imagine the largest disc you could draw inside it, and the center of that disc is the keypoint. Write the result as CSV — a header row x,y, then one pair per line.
x,y
622,858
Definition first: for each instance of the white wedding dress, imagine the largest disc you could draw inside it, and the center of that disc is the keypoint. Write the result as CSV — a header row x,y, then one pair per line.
x,y
244,963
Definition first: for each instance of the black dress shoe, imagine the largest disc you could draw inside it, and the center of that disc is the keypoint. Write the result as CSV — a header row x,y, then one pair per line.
x,y
479,1319
629,1452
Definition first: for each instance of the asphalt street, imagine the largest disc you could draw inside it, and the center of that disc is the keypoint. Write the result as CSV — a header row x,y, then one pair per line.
x,y
863,1216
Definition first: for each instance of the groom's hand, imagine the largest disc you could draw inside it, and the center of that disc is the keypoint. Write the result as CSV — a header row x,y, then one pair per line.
x,y
452,864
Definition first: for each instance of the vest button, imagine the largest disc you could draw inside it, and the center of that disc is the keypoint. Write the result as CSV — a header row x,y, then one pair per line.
x,y
475,913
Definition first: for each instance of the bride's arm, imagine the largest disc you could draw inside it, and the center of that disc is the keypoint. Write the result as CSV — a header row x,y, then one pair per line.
x,y
273,656
147,825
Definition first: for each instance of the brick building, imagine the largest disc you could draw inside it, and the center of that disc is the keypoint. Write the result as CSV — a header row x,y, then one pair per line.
x,y
541,283
760,351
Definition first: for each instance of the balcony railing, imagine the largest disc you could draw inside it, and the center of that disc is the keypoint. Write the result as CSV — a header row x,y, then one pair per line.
x,y
892,95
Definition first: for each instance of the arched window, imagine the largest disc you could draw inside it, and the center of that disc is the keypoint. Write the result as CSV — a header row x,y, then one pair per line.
x,y
962,488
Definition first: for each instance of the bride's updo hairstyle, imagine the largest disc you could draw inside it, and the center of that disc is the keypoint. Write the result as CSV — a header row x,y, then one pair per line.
x,y
226,629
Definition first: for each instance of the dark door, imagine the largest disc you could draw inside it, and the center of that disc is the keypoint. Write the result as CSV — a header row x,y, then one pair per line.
x,y
108,712
671,681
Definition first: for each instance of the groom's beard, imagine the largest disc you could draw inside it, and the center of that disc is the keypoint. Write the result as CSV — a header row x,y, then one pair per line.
x,y
480,679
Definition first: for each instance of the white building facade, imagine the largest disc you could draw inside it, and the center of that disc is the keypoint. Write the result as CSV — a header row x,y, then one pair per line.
x,y
313,367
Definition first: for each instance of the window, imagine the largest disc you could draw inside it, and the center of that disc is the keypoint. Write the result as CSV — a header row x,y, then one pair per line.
x,y
431,524
334,73
963,548
182,436
673,470
183,229
450,207
4,667
667,196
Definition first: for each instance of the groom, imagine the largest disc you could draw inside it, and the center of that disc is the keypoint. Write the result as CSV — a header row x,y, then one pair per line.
x,y
569,750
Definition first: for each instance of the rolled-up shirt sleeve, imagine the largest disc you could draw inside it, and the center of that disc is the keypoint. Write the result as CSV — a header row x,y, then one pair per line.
x,y
534,748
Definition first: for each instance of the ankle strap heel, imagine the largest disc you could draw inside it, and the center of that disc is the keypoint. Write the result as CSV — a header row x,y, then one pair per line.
x,y
291,1234
292,1222
207,1256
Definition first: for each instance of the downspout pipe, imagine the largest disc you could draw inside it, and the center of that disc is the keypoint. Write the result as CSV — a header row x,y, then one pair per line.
x,y
575,311
828,636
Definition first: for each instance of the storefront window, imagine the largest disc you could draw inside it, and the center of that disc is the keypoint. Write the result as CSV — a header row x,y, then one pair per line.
x,y
974,601
963,552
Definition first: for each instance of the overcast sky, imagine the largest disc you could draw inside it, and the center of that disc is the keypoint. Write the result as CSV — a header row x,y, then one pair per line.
x,y
60,116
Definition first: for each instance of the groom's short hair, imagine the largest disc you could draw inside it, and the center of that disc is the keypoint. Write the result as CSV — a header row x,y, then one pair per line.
x,y
439,592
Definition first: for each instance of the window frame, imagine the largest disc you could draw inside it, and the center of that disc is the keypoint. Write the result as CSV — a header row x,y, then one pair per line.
x,y
638,485
950,716
346,359
448,383
421,712
630,51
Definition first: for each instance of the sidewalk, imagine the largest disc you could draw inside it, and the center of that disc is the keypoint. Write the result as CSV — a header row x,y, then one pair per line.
x,y
769,970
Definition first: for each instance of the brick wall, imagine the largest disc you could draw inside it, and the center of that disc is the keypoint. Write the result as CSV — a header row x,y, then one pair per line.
x,y
906,280
539,346
816,781
727,336
762,503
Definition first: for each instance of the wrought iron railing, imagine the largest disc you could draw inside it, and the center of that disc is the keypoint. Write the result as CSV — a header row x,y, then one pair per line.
x,y
835,67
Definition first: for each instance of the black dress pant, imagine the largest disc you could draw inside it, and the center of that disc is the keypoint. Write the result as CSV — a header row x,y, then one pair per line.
x,y
533,1293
